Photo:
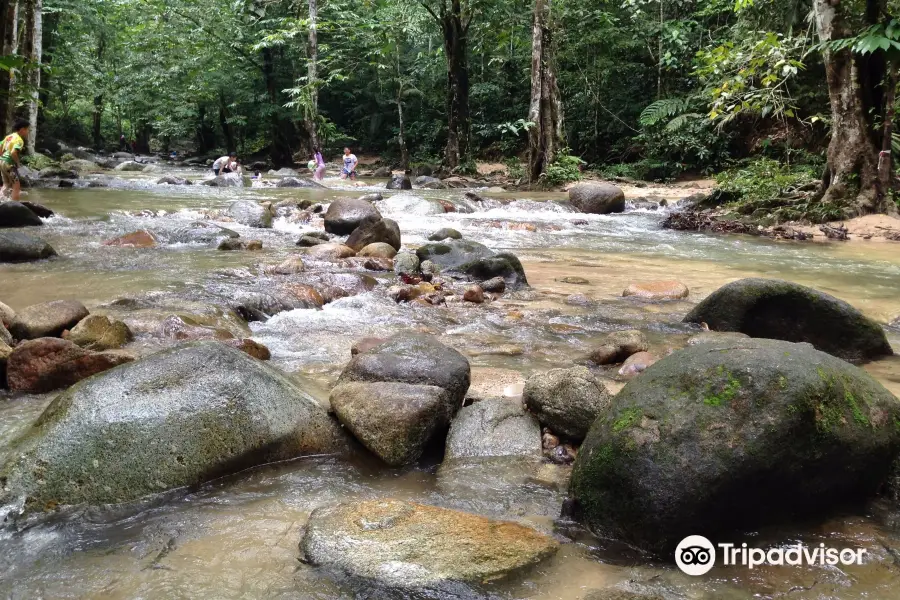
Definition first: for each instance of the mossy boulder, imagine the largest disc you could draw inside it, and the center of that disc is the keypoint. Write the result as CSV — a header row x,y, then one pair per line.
x,y
452,253
781,310
721,437
474,261
179,417
568,401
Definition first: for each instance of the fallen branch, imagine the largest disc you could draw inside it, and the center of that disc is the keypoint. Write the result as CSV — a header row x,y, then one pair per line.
x,y
835,233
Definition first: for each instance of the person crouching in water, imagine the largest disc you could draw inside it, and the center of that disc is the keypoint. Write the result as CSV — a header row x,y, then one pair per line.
x,y
11,158
223,164
350,162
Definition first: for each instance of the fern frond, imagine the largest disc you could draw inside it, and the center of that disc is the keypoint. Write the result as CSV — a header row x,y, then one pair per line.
x,y
682,120
662,109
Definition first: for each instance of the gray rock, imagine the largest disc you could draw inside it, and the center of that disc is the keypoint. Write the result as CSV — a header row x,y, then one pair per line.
x,y
413,358
308,241
294,182
16,214
618,346
7,314
57,173
130,165
226,180
251,214
497,427
430,183
497,285
775,309
399,182
201,232
382,172
505,265
49,319
81,165
597,198
395,421
568,401
38,209
98,332
408,204
5,336
172,180
733,436
416,551
374,197
21,247
445,234
716,337
406,262
179,417
385,231
453,253
344,215
286,172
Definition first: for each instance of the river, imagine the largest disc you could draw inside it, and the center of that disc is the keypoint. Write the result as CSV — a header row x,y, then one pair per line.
x,y
237,537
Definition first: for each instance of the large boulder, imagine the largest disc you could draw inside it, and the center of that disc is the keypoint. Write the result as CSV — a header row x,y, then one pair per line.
x,y
130,165
504,265
344,215
416,359
496,427
295,182
413,550
406,263
226,180
381,231
568,401
734,436
378,250
597,198
80,165
771,308
430,183
48,319
179,417
409,204
57,173
453,253
98,332
395,421
16,214
47,364
399,182
251,214
21,247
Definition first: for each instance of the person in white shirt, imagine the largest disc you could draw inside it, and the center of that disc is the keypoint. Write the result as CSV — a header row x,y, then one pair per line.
x,y
350,162
223,164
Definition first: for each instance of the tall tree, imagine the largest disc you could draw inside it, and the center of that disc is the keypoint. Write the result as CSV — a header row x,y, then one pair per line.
x,y
34,52
454,20
312,111
10,14
856,91
545,136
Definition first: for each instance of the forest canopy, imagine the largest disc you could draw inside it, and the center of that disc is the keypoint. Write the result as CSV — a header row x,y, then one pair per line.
x,y
651,89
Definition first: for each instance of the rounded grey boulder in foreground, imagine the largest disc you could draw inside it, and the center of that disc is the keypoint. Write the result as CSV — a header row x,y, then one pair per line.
x,y
16,246
723,437
597,198
781,310
568,401
413,358
16,214
419,549
48,319
179,417
344,215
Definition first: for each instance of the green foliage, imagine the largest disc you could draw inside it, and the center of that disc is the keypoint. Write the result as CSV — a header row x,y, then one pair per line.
x,y
38,161
764,179
563,169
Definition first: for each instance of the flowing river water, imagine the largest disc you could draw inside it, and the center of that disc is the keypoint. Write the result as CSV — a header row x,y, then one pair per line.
x,y
238,537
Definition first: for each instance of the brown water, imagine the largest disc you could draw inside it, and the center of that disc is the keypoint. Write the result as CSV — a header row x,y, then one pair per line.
x,y
237,538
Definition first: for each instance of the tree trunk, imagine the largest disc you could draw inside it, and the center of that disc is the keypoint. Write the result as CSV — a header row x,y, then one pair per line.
x,y
34,51
545,137
227,130
280,152
851,174
457,85
885,164
97,128
8,79
401,137
312,112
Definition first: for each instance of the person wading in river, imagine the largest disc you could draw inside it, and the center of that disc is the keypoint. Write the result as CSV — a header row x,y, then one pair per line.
x,y
350,162
319,173
223,164
11,159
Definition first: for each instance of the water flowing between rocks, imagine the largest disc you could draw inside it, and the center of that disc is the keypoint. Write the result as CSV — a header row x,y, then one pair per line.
x,y
238,537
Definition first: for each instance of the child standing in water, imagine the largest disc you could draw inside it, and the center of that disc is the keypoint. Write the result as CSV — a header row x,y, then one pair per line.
x,y
11,158
350,162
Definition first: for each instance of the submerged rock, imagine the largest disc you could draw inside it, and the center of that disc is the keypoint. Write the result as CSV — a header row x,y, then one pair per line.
x,y
250,214
231,244
308,241
97,332
414,548
179,417
775,309
344,215
656,291
568,401
201,232
453,253
130,165
734,436
16,214
597,198
395,421
409,204
495,427
48,319
17,247
384,231
618,346
172,180
137,239
295,182
47,364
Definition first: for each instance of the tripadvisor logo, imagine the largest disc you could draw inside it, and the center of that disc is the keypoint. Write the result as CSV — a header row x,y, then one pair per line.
x,y
695,555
